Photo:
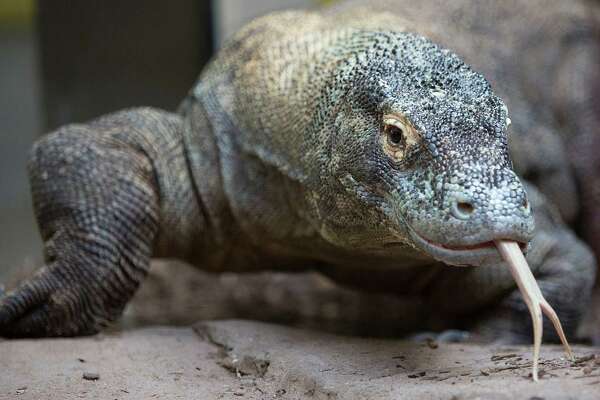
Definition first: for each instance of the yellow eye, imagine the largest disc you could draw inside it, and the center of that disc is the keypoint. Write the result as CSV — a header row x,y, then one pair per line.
x,y
398,136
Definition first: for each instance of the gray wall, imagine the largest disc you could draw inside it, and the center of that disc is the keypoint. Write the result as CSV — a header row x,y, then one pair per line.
x,y
230,15
20,124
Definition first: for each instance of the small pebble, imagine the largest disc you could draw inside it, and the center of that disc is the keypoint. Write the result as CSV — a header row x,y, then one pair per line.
x,y
583,359
542,373
91,376
587,370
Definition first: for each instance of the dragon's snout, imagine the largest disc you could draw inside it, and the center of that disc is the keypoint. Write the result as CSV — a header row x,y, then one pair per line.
x,y
474,211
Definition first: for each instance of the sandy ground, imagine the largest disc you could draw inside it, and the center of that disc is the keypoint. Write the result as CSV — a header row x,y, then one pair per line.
x,y
164,363
236,359
331,352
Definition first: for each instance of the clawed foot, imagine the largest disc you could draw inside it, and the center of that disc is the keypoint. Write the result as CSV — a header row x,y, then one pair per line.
x,y
42,306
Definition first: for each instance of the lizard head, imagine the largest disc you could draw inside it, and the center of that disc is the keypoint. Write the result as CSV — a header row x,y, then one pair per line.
x,y
420,144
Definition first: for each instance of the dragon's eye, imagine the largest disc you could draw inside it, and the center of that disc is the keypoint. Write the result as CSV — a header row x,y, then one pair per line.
x,y
395,135
398,135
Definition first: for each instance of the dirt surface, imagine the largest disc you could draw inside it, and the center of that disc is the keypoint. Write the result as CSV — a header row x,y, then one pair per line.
x,y
161,363
304,364
237,359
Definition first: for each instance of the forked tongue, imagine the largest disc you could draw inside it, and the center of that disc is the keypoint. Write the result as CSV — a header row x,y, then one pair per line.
x,y
532,295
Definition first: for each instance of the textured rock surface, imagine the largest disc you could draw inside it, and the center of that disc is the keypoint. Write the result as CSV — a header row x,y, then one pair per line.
x,y
241,359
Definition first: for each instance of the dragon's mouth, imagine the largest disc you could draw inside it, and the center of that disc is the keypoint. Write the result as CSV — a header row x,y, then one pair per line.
x,y
478,253
476,246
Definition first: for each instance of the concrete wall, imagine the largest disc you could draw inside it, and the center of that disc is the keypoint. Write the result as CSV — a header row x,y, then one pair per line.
x,y
20,124
230,15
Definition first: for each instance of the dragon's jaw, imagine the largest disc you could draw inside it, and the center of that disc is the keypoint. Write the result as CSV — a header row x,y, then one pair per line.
x,y
477,253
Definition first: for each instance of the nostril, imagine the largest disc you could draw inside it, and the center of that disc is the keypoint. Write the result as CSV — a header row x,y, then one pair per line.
x,y
462,209
466,208
525,203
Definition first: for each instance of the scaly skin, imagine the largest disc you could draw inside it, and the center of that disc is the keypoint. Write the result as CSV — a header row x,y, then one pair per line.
x,y
283,158
542,57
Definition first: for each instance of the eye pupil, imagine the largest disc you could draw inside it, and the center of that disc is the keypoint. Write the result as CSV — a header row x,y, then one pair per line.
x,y
395,135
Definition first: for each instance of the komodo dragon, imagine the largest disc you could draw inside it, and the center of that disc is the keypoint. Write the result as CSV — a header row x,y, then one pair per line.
x,y
337,141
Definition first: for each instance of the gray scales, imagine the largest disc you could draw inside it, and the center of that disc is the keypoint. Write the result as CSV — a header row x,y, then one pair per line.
x,y
341,141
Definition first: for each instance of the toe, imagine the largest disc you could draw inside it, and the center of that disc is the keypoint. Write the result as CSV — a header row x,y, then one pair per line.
x,y
35,323
18,302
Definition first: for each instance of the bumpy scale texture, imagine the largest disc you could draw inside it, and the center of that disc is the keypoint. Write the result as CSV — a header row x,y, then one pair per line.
x,y
279,159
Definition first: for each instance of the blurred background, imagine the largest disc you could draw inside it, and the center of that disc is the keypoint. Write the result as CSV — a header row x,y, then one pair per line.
x,y
126,55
